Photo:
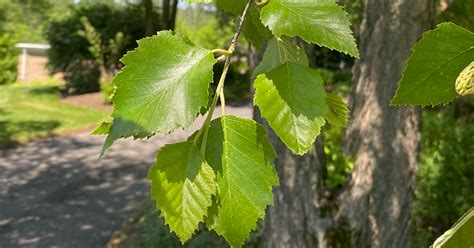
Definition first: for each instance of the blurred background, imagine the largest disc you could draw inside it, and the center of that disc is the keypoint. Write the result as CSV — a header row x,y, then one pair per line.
x,y
57,58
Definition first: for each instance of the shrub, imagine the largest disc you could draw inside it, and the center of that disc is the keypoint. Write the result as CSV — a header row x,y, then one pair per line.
x,y
70,51
8,60
82,77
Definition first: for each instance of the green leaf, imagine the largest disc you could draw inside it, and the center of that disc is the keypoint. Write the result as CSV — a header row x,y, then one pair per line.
x,y
103,129
182,185
278,52
431,71
197,1
292,99
322,22
239,150
163,86
253,30
338,111
235,7
460,235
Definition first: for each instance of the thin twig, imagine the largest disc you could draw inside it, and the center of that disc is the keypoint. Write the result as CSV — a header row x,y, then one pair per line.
x,y
220,85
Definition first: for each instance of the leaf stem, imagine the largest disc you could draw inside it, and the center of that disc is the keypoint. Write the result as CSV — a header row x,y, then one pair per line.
x,y
221,58
220,86
221,51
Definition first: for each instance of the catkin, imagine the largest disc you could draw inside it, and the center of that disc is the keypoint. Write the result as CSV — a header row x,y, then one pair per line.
x,y
465,81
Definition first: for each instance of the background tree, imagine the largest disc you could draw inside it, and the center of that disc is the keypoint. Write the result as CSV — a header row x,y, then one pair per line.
x,y
384,139
382,167
169,11
151,25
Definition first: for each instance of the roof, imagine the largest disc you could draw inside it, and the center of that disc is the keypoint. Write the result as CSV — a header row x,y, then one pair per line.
x,y
33,46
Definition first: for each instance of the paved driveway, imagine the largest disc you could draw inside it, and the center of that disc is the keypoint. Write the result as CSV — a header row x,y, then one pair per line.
x,y
56,192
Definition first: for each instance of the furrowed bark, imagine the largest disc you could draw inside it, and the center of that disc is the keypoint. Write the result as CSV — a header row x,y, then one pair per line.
x,y
384,139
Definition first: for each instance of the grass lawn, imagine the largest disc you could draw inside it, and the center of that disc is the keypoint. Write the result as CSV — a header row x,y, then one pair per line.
x,y
31,111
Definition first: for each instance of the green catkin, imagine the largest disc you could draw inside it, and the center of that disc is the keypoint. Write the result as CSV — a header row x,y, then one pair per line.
x,y
465,81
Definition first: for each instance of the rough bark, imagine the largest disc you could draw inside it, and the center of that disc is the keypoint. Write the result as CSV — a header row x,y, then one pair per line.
x,y
384,139
295,220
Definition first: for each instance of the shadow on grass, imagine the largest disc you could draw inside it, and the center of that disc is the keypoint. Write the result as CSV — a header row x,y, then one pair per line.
x,y
49,90
13,133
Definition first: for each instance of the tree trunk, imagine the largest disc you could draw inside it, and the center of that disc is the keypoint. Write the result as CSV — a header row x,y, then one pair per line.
x,y
170,9
174,11
150,25
165,14
384,139
295,220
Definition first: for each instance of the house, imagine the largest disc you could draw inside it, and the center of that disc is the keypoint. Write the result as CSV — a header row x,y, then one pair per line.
x,y
32,62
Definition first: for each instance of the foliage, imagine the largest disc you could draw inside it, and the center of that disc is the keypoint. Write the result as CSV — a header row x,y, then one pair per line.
x,y
304,16
445,173
436,62
203,27
74,42
175,79
438,68
24,20
460,12
82,77
8,59
283,95
165,85
253,30
211,29
183,186
338,165
30,111
106,55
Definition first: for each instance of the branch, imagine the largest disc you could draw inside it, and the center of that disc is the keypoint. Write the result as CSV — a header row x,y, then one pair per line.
x,y
235,39
220,86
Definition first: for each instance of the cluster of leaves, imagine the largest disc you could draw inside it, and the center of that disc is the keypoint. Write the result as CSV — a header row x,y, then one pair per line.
x,y
438,59
338,164
223,174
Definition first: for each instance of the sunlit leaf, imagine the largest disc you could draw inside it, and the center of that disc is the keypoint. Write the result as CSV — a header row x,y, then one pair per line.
x,y
182,185
322,22
292,99
338,114
278,52
241,154
431,71
163,86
